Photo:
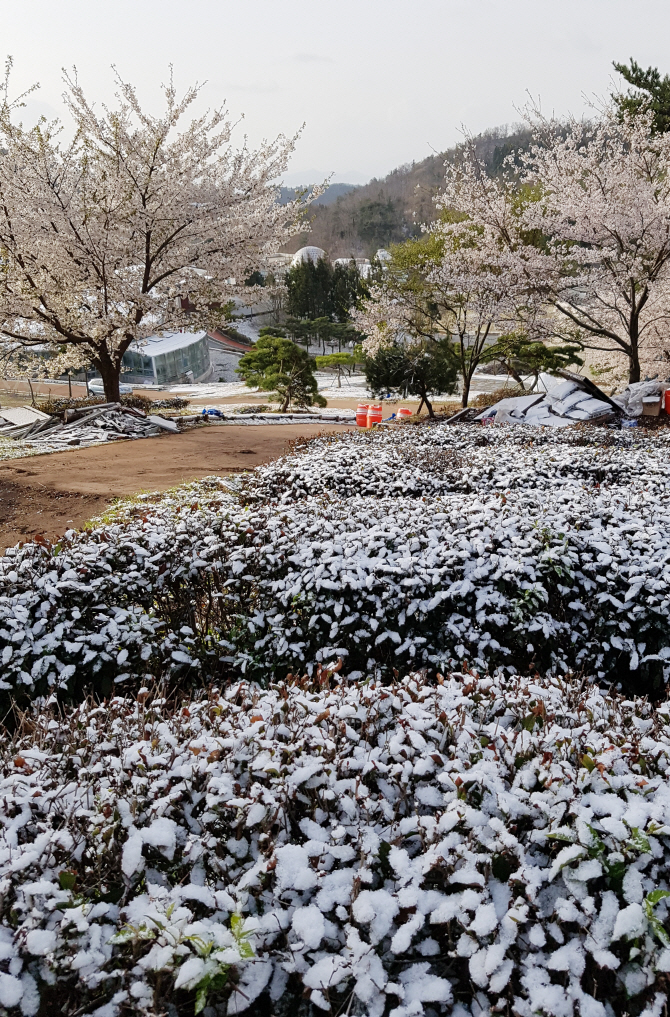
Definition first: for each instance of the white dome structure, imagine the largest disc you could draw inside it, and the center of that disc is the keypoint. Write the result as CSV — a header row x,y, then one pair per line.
x,y
308,254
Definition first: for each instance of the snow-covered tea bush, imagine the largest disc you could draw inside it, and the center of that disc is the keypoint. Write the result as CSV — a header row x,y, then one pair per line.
x,y
417,547
483,845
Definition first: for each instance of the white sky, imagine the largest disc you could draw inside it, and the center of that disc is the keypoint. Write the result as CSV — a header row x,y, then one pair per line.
x,y
377,82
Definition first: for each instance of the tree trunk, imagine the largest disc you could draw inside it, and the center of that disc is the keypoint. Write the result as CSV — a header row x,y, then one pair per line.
x,y
634,336
287,400
466,390
429,406
110,374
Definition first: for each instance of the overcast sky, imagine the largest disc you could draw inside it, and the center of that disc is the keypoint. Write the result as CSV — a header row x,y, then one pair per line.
x,y
377,82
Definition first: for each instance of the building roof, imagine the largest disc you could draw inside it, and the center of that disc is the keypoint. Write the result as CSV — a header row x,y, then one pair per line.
x,y
222,339
308,254
156,345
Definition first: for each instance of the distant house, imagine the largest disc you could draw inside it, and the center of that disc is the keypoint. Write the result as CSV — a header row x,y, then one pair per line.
x,y
168,359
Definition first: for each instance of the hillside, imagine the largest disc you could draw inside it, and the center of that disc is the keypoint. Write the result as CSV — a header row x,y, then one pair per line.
x,y
334,192
381,212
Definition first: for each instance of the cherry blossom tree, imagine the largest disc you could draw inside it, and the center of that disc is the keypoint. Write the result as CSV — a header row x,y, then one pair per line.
x,y
450,283
139,225
585,215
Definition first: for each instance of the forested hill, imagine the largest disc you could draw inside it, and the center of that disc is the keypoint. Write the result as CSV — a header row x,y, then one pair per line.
x,y
387,211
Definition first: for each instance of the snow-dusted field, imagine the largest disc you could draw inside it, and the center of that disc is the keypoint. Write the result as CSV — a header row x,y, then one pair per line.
x,y
415,547
450,842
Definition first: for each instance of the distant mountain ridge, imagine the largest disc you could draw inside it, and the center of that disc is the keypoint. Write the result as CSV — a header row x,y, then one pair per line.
x,y
333,192
357,221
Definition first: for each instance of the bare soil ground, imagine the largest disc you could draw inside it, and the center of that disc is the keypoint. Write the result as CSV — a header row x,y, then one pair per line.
x,y
49,494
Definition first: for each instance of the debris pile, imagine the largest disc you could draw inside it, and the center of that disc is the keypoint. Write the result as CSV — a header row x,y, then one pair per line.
x,y
569,399
88,426
18,421
643,398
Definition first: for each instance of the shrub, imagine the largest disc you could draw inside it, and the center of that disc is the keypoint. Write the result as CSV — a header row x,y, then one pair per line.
x,y
55,406
139,402
417,548
487,844
484,399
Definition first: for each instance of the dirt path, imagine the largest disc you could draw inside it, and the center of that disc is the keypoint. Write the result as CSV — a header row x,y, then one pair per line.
x,y
47,494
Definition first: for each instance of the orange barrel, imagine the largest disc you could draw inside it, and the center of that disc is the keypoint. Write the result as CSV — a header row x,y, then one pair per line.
x,y
403,413
362,415
374,414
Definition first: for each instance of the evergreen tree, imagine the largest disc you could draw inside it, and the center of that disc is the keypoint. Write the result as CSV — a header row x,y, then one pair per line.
x,y
308,289
278,365
337,362
322,290
523,356
648,87
419,368
347,289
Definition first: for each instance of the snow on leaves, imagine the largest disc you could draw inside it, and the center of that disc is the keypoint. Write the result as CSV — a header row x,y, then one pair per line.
x,y
466,850
417,547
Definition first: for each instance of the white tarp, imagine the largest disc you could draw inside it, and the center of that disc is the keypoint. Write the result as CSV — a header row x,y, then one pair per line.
x,y
631,399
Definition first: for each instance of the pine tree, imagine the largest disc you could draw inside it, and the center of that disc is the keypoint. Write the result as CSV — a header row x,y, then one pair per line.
x,y
419,368
278,365
650,88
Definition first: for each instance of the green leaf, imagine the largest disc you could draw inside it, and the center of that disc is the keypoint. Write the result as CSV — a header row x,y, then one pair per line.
x,y
656,895
640,841
596,847
204,947
124,935
615,872
588,762
566,835
656,830
201,998
241,937
650,902
132,933
67,880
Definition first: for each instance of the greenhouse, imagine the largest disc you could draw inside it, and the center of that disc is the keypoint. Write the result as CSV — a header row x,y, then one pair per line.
x,y
166,359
